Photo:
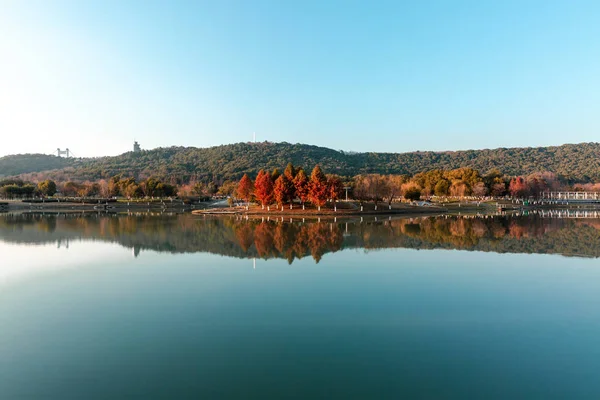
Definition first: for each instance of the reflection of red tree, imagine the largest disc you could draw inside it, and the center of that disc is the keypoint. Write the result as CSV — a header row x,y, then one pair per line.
x,y
336,238
243,233
284,238
479,229
498,230
516,230
317,240
458,227
301,242
280,239
263,239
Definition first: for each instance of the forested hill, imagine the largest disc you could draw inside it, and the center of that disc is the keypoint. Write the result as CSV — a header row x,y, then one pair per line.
x,y
575,162
23,163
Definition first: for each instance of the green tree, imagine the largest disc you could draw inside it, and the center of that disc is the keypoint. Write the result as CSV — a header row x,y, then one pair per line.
x,y
442,188
412,193
47,188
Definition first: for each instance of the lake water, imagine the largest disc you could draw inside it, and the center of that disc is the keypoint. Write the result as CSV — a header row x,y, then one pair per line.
x,y
170,307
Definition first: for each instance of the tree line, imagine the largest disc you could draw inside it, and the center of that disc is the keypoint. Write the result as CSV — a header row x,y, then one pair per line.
x,y
116,186
278,188
17,188
267,188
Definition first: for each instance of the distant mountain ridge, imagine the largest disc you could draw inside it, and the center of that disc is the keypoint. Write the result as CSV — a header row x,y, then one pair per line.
x,y
575,162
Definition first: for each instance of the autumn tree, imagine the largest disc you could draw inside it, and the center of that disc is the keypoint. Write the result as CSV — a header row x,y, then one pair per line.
x,y
92,189
335,187
47,187
103,184
361,188
185,191
227,189
131,190
113,186
290,172
283,190
394,184
377,188
459,188
518,187
263,188
70,189
318,187
82,190
199,189
479,189
275,174
245,188
498,189
442,188
301,184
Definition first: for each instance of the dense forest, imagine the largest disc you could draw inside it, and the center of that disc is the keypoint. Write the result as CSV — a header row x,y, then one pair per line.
x,y
571,162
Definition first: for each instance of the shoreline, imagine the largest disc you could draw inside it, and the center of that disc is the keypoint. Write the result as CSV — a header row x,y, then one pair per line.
x,y
343,210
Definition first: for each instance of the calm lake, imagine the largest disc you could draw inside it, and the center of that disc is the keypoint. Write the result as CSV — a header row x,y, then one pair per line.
x,y
180,306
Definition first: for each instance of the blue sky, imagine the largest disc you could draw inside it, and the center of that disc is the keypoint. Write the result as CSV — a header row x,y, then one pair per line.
x,y
353,75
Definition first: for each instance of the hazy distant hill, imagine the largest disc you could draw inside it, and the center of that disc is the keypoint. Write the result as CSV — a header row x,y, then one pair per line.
x,y
23,163
577,162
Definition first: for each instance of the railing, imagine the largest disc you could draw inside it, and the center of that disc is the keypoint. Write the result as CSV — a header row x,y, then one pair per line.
x,y
576,196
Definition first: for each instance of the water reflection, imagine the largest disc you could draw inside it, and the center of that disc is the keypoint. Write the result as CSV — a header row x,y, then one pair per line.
x,y
296,239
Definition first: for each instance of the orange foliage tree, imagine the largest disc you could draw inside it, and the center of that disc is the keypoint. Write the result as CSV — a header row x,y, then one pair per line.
x,y
301,185
283,190
335,187
518,187
263,188
318,187
244,188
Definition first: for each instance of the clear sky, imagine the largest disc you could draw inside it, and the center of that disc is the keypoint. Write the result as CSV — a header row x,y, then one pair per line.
x,y
354,75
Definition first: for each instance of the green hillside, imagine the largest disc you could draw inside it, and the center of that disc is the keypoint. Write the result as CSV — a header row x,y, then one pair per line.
x,y
575,162
24,163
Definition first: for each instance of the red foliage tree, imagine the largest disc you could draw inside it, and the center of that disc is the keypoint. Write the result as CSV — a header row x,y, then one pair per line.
x,y
335,187
518,187
301,185
283,190
290,173
263,188
318,187
244,188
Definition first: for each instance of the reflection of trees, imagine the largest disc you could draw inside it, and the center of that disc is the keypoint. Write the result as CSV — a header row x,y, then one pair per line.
x,y
268,239
263,239
292,241
245,236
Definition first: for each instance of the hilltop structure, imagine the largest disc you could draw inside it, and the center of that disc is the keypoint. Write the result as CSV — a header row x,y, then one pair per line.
x,y
136,147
